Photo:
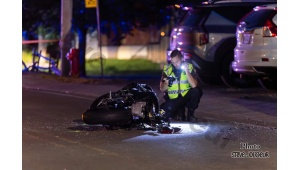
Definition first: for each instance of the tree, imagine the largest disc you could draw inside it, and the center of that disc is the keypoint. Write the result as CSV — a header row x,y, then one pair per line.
x,y
118,18
36,13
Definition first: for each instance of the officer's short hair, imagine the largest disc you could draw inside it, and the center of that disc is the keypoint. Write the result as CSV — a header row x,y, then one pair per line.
x,y
175,53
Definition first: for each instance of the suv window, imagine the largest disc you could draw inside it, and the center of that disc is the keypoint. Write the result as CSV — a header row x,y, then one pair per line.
x,y
217,19
223,20
216,23
252,21
191,18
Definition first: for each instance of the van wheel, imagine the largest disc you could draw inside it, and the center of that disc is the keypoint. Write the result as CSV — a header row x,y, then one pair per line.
x,y
268,83
232,79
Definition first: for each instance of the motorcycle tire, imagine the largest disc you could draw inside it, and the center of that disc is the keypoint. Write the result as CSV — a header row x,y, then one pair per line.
x,y
107,116
95,103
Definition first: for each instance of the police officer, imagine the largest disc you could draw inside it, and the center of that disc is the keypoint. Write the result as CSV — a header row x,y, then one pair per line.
x,y
183,90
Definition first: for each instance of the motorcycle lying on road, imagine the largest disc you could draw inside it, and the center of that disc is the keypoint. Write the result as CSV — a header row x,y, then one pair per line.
x,y
134,106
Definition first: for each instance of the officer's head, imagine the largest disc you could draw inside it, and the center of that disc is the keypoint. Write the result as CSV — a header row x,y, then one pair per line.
x,y
176,58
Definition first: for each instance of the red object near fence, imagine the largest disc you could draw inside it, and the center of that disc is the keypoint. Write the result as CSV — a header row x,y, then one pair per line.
x,y
73,57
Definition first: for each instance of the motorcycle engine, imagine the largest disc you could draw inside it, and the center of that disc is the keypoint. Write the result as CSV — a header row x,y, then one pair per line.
x,y
138,108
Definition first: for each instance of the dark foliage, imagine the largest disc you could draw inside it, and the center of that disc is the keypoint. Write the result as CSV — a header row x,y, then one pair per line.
x,y
37,13
118,17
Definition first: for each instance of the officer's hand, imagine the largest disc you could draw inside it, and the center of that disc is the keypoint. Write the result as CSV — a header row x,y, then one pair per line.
x,y
184,66
166,80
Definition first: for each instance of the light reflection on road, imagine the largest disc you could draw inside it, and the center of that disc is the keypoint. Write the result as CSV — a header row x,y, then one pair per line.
x,y
188,130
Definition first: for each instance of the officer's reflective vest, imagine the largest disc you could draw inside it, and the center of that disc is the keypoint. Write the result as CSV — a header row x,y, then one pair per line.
x,y
179,86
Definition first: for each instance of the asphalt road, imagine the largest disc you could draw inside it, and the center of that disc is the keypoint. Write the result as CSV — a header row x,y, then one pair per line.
x,y
54,137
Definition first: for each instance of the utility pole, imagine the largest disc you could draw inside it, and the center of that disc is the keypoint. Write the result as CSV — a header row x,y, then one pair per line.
x,y
99,36
65,35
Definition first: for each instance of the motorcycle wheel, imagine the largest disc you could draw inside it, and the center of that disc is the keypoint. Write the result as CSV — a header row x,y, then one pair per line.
x,y
107,116
96,101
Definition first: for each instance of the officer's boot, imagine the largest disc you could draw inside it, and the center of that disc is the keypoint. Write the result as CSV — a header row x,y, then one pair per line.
x,y
181,112
190,116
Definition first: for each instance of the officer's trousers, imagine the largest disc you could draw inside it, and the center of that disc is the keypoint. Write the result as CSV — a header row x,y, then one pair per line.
x,y
190,100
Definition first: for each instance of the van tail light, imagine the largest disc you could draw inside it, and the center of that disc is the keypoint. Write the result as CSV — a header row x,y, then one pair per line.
x,y
269,29
203,39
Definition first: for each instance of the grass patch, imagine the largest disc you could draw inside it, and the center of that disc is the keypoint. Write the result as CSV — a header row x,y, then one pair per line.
x,y
112,67
27,56
116,67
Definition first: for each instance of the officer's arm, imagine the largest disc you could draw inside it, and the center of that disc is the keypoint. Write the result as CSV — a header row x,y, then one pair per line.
x,y
192,78
163,86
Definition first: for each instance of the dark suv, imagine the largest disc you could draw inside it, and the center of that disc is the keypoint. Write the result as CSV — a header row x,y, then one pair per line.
x,y
206,36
